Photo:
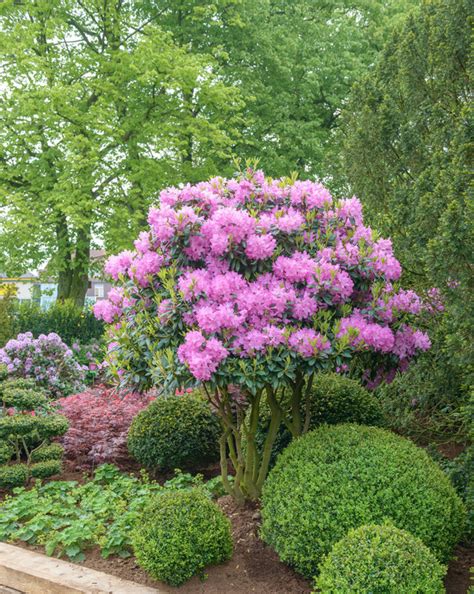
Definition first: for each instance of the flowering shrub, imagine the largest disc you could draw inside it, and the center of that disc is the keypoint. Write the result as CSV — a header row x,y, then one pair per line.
x,y
99,420
259,284
90,356
46,359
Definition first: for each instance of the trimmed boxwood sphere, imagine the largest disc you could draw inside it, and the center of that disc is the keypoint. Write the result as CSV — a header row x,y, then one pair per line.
x,y
380,559
334,399
343,476
175,432
178,534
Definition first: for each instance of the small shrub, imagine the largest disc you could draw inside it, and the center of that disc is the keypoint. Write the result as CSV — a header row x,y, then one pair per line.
x,y
53,451
46,359
27,424
45,469
343,476
179,534
18,383
334,399
13,476
175,432
380,559
99,420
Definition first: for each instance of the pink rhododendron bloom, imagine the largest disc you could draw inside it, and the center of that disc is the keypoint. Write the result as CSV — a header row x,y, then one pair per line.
x,y
247,274
107,311
308,343
260,247
117,265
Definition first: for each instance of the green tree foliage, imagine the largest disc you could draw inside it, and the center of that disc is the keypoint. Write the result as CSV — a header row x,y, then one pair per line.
x,y
100,109
407,155
295,62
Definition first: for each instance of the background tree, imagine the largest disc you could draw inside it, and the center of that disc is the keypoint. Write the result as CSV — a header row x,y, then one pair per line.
x,y
295,62
101,108
407,155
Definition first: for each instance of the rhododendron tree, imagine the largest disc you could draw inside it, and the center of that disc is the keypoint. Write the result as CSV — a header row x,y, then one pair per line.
x,y
251,286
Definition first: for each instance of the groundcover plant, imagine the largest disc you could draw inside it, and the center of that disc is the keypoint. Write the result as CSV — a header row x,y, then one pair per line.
x,y
251,286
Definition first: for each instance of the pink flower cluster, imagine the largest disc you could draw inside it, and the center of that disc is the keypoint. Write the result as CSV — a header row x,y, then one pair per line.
x,y
253,267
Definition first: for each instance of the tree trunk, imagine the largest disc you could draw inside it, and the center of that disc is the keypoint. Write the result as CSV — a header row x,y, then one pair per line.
x,y
73,279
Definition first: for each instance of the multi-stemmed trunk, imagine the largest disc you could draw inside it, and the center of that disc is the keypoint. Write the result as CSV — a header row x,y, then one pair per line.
x,y
240,421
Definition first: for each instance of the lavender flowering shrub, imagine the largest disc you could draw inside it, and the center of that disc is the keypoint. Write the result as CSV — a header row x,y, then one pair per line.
x,y
47,360
251,286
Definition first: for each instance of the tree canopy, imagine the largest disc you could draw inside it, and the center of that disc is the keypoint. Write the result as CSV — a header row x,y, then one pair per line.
x,y
106,103
101,108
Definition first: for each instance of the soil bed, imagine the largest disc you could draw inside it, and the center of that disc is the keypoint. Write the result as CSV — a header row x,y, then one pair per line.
x,y
254,567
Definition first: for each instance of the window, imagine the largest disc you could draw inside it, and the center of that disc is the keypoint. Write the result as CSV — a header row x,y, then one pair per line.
x,y
99,291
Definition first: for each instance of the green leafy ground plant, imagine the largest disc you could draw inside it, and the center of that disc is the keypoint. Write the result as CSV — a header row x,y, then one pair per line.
x,y
68,518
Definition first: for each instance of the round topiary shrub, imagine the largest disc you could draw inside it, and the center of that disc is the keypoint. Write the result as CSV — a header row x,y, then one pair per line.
x,y
175,432
380,559
180,533
343,476
334,399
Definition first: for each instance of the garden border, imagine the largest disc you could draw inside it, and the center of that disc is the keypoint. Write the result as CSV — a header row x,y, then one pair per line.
x,y
34,573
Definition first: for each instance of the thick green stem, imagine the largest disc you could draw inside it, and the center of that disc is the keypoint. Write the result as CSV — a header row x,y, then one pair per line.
x,y
275,422
307,404
251,461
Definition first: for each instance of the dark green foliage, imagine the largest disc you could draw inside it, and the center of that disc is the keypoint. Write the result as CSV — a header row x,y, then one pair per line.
x,y
339,399
460,471
52,451
72,323
426,401
45,469
13,476
179,534
333,399
6,452
339,477
408,157
380,559
175,432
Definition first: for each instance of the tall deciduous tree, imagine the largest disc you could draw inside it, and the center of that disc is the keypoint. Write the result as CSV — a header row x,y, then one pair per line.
x,y
408,154
100,108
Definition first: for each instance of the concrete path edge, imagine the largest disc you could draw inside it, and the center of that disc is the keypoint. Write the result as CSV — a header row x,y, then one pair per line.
x,y
33,573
